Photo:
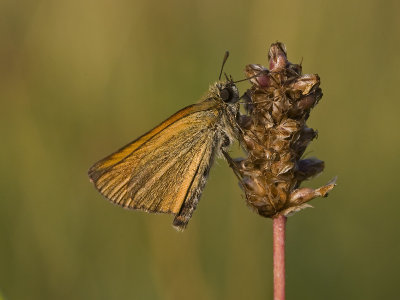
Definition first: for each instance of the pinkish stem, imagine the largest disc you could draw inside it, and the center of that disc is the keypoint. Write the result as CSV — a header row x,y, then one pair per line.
x,y
279,224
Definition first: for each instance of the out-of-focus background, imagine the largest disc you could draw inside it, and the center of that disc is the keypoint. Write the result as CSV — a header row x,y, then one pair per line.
x,y
79,79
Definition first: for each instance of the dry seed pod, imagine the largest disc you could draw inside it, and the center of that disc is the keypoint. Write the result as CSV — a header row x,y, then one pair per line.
x,y
275,135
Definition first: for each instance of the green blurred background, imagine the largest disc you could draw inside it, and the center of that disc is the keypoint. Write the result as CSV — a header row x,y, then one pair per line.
x,y
79,79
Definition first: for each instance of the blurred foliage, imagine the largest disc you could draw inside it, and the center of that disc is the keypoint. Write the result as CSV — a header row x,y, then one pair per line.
x,y
79,79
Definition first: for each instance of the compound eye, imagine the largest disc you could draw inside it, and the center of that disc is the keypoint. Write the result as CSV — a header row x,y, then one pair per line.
x,y
226,95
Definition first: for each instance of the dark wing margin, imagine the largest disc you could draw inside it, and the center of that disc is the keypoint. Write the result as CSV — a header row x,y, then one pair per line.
x,y
196,187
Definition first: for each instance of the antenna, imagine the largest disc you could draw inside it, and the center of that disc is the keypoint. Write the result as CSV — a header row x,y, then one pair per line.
x,y
256,75
223,64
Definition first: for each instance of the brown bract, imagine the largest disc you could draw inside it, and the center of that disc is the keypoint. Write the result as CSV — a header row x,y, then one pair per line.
x,y
275,135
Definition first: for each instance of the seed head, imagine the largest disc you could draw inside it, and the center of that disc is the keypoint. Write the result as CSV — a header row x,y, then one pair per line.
x,y
275,136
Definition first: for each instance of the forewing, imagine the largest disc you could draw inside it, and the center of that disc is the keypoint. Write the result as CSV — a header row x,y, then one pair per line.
x,y
157,171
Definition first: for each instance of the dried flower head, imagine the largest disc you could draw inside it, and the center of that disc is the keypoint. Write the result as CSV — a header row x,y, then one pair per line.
x,y
275,135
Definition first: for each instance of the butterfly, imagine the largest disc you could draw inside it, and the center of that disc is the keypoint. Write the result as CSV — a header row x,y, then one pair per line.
x,y
165,170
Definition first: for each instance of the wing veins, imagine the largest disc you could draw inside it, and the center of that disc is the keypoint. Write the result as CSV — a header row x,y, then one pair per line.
x,y
144,142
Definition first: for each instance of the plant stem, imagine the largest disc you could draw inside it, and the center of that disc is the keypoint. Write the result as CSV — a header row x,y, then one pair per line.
x,y
279,224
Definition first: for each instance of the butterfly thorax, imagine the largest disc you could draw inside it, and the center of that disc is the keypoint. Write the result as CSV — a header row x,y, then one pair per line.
x,y
226,97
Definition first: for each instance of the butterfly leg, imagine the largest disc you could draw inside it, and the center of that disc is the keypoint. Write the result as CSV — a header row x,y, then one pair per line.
x,y
233,164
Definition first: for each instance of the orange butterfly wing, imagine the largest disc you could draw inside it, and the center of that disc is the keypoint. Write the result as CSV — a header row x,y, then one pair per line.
x,y
164,167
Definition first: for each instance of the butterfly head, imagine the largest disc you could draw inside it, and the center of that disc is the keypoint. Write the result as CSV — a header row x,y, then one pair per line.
x,y
227,92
